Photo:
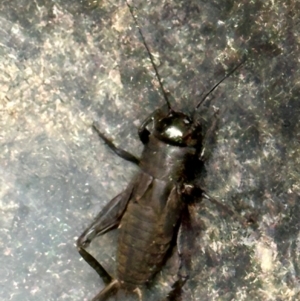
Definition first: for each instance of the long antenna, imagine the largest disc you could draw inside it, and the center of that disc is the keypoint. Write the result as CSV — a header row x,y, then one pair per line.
x,y
217,84
150,56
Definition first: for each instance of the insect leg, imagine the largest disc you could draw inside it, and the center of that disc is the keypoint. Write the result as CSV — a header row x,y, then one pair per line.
x,y
230,211
92,261
120,152
181,257
198,192
109,290
210,137
106,220
143,131
175,294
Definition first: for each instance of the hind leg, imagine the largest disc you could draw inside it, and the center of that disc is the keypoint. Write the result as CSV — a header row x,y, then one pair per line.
x,y
175,294
178,265
108,291
107,219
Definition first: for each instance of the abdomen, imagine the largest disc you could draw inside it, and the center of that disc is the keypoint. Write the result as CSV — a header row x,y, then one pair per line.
x,y
142,245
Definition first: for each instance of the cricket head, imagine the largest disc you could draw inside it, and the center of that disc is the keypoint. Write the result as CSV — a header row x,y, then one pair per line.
x,y
177,128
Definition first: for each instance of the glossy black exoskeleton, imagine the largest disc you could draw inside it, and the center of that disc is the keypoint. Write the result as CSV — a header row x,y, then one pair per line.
x,y
148,212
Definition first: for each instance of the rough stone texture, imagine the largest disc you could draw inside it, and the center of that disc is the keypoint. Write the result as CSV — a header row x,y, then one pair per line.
x,y
66,63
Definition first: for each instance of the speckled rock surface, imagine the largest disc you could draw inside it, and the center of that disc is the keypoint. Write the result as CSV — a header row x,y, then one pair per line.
x,y
67,63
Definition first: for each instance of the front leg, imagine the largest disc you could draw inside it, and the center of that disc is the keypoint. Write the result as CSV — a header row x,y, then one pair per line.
x,y
120,152
143,131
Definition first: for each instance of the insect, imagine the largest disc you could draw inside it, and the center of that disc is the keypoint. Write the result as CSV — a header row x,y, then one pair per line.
x,y
149,211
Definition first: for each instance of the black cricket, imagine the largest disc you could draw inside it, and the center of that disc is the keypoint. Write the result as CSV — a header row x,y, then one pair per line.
x,y
149,211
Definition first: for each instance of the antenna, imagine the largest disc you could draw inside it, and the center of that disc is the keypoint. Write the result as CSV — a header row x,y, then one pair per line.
x,y
150,56
217,84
